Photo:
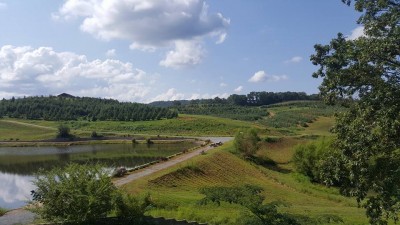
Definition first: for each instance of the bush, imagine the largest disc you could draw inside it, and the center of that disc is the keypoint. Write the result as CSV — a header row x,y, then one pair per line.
x,y
95,135
246,142
149,141
131,209
315,160
77,193
251,198
63,131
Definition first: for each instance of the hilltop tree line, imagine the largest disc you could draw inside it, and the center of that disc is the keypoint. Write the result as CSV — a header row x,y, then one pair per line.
x,y
251,99
248,107
66,107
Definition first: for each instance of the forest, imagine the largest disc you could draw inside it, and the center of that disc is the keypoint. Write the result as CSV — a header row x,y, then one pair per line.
x,y
67,107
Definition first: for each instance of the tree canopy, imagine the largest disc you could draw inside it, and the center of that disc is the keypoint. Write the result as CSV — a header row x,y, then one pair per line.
x,y
67,107
367,69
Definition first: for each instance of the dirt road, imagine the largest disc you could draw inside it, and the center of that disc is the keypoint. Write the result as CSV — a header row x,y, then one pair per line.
x,y
163,165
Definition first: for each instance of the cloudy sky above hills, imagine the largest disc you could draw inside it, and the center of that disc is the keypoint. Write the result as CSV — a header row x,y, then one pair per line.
x,y
147,50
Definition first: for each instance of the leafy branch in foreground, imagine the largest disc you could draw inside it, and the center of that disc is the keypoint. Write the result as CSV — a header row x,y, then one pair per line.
x,y
368,69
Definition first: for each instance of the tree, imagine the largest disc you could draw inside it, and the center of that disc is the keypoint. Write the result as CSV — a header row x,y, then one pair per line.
x,y
367,70
64,131
246,142
77,193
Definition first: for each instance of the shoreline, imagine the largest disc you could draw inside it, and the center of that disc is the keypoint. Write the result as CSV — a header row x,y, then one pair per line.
x,y
93,141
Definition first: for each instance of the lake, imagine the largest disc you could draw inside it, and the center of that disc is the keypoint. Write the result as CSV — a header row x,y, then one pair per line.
x,y
18,165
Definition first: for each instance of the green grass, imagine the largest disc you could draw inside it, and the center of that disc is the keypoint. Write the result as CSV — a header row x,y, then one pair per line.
x,y
176,190
2,211
184,125
11,131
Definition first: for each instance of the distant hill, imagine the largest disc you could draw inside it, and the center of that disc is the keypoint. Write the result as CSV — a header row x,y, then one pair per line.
x,y
65,95
68,107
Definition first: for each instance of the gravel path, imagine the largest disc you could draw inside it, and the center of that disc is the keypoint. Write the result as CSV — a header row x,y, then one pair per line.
x,y
23,217
160,166
17,216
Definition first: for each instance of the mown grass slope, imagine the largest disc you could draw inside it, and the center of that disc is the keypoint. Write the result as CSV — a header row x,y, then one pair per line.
x,y
14,131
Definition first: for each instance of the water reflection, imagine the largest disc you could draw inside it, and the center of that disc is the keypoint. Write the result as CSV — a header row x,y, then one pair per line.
x,y
14,190
18,165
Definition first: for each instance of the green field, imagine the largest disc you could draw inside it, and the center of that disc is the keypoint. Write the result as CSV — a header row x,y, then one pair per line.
x,y
184,125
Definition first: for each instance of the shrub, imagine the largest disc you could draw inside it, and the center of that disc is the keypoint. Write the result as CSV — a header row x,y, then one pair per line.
x,y
63,131
246,142
131,209
315,160
149,141
95,135
77,193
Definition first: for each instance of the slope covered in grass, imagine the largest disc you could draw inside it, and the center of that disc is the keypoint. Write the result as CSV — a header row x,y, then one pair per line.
x,y
176,190
12,131
190,125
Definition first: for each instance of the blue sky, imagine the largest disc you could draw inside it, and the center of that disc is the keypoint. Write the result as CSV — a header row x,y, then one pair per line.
x,y
147,50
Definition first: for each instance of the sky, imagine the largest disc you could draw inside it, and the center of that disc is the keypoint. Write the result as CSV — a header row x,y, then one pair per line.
x,y
152,50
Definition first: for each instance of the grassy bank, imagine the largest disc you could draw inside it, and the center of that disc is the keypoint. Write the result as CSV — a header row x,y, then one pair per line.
x,y
2,211
176,190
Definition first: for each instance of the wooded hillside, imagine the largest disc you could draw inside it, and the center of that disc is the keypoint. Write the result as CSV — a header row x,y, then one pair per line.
x,y
68,107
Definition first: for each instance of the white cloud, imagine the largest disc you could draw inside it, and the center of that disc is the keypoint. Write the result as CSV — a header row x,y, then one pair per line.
x,y
111,53
238,89
148,24
41,71
356,33
261,76
171,95
223,84
186,53
3,5
295,59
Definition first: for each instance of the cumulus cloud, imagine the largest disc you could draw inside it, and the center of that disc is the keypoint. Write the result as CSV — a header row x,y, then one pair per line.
x,y
171,95
356,33
295,59
238,89
262,76
185,53
37,71
223,84
149,24
111,53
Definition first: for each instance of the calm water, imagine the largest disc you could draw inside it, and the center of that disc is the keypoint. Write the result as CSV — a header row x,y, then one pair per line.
x,y
18,165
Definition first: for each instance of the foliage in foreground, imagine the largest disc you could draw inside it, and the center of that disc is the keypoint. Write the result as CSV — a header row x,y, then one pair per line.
x,y
81,194
368,134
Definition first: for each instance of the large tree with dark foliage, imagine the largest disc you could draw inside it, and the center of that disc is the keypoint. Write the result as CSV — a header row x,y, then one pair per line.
x,y
67,107
368,133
